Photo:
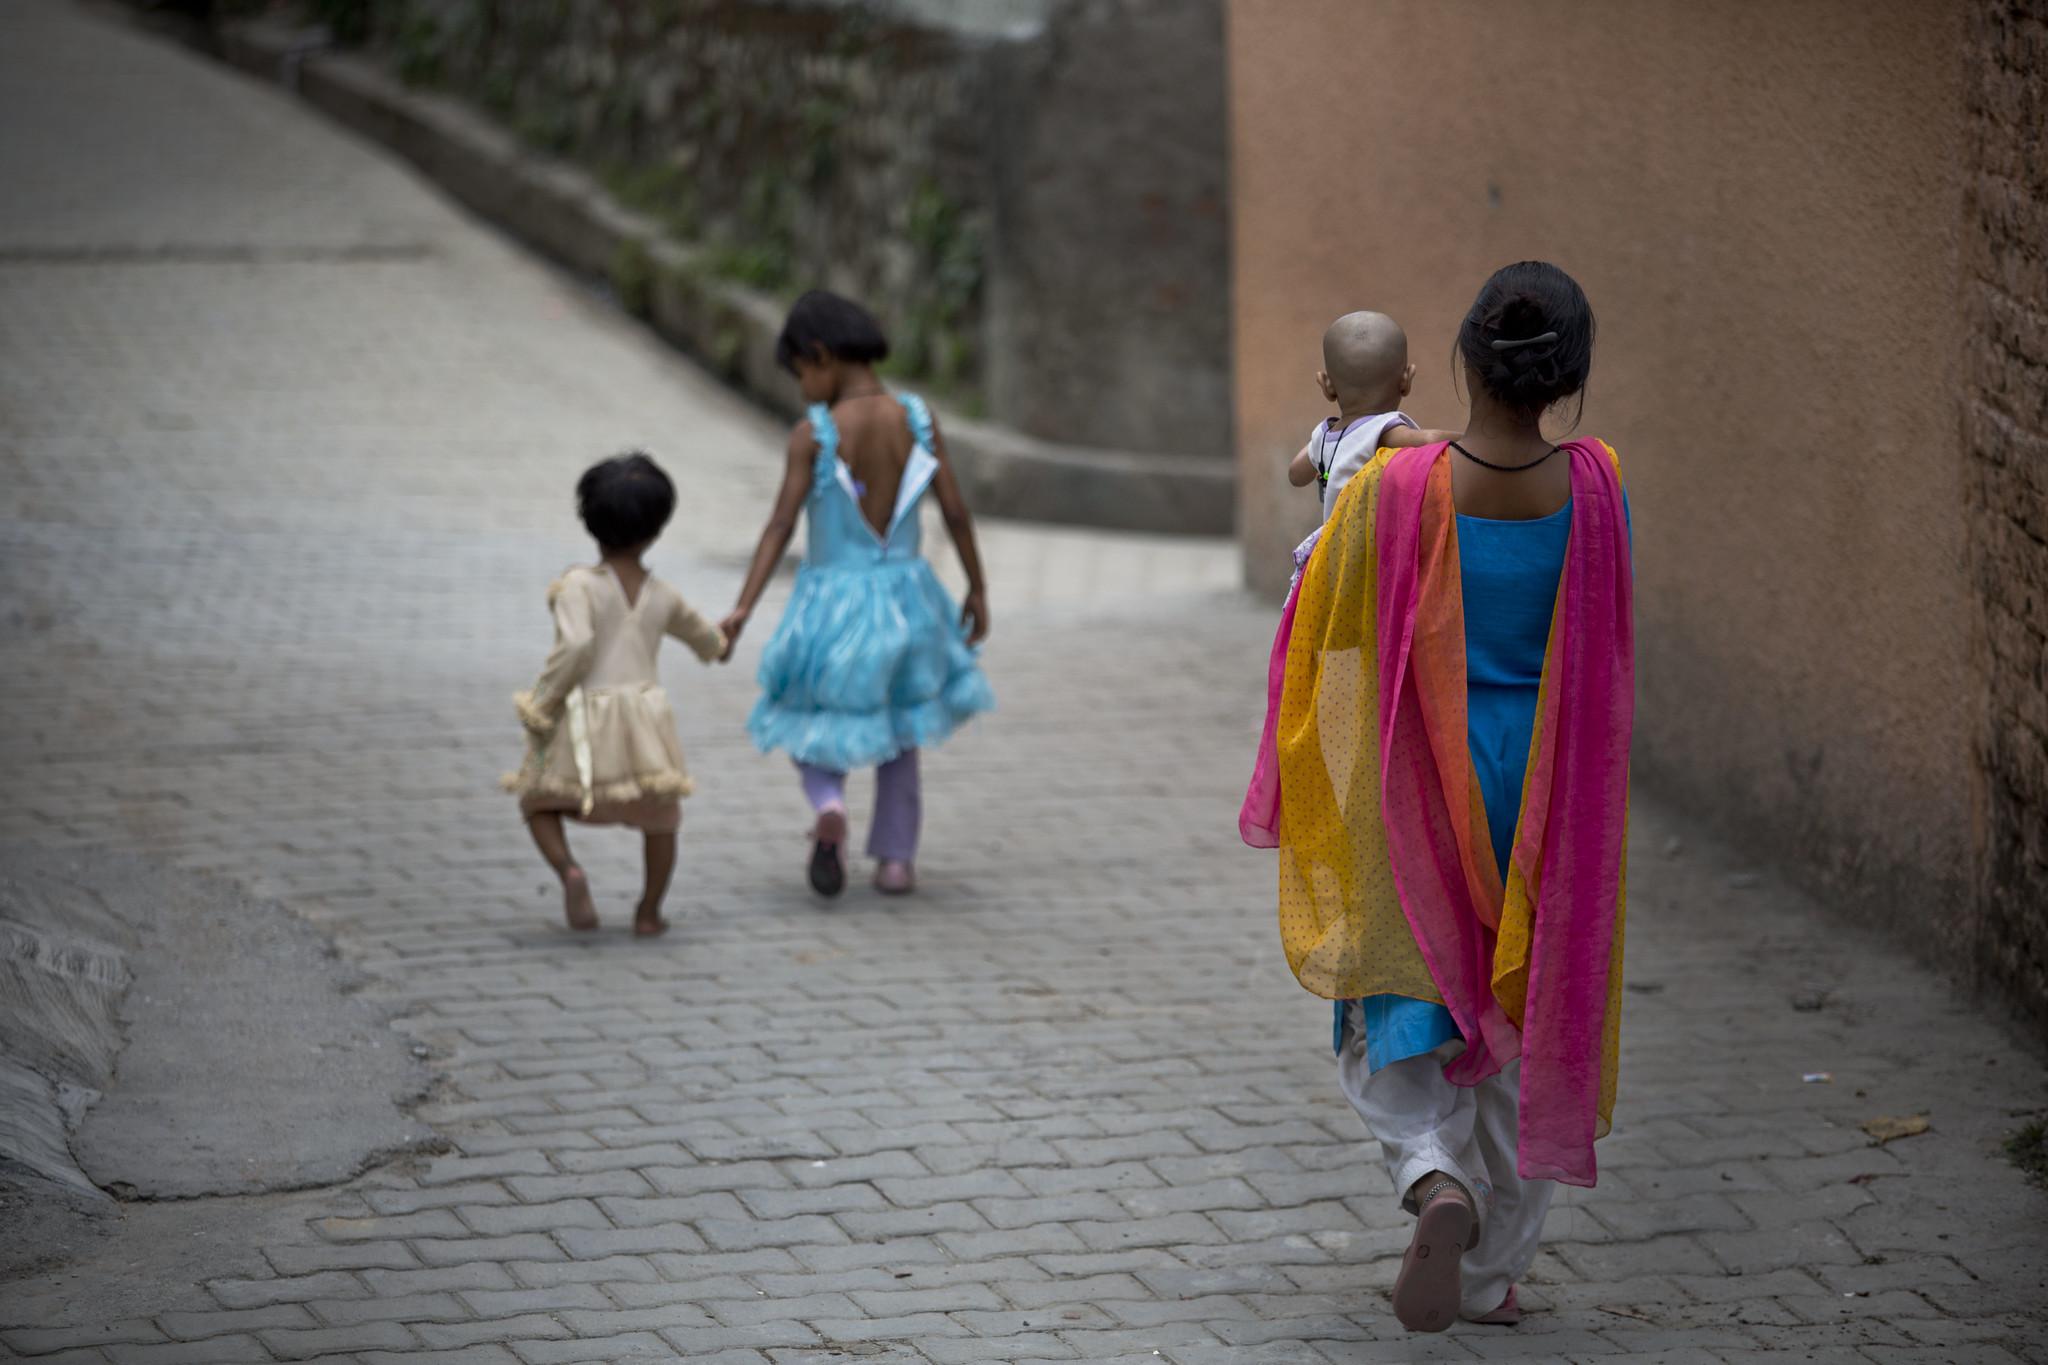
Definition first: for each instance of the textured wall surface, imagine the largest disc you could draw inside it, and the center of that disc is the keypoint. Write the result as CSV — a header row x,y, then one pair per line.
x,y
2005,426
1031,193
843,146
1765,206
1109,280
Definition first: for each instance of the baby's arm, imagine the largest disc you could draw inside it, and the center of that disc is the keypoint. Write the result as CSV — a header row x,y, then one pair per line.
x,y
575,647
1401,438
690,626
1301,471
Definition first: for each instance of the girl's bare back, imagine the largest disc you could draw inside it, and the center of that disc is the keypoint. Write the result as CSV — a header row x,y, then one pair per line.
x,y
875,444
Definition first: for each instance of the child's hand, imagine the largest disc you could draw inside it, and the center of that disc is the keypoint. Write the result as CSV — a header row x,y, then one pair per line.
x,y
974,616
730,627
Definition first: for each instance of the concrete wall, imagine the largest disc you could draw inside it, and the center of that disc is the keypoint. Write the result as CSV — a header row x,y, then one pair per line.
x,y
1765,205
2005,425
1109,317
1030,192
844,146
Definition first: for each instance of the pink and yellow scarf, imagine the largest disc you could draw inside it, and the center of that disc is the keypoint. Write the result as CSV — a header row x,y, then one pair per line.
x,y
1364,782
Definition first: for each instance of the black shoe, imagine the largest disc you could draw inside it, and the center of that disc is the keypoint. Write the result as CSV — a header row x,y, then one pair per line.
x,y
828,862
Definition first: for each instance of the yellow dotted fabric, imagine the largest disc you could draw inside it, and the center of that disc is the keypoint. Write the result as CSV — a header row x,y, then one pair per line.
x,y
1341,922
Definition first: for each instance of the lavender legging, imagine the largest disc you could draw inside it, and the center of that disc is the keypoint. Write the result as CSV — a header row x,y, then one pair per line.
x,y
899,804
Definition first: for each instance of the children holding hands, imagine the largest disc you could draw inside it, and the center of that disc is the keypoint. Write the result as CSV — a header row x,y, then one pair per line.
x,y
870,664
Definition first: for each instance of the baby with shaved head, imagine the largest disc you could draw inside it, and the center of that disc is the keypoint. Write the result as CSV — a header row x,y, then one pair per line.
x,y
1365,359
1366,374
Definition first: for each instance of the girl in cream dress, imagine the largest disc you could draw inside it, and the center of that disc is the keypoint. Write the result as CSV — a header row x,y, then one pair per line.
x,y
601,739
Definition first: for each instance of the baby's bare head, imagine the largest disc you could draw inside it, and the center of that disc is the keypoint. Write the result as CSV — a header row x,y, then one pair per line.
x,y
1365,355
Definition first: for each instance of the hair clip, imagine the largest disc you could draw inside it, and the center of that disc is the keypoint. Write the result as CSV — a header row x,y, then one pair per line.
x,y
1506,345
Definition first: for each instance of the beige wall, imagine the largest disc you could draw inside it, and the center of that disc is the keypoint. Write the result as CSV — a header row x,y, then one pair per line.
x,y
1763,202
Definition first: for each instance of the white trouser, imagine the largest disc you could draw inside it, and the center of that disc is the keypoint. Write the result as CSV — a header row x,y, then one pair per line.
x,y
1424,1124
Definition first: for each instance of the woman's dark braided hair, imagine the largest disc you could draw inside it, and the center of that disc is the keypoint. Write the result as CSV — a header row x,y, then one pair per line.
x,y
1529,337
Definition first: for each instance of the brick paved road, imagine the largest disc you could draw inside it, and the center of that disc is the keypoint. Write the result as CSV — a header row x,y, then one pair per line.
x,y
286,445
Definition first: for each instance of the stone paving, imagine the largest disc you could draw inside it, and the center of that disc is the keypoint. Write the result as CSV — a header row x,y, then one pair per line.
x,y
287,446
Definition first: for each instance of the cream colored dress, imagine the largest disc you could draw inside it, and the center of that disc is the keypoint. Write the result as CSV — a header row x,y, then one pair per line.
x,y
600,738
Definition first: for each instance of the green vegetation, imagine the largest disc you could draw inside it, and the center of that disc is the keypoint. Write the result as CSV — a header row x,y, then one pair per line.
x,y
499,94
347,20
632,278
546,127
819,120
758,265
933,336
752,150
726,344
420,46
666,193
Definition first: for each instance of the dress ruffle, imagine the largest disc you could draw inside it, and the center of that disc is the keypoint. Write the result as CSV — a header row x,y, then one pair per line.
x,y
635,756
868,662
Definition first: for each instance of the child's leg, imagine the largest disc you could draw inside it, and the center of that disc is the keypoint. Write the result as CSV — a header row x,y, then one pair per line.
x,y
899,810
826,791
553,842
823,788
661,865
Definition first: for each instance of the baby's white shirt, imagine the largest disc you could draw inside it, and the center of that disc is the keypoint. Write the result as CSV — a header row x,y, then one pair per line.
x,y
1341,454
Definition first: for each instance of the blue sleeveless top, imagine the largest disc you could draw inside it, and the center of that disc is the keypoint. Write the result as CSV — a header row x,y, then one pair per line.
x,y
869,659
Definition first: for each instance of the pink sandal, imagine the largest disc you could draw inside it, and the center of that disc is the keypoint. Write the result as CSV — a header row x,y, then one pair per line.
x,y
1427,1290
1509,1314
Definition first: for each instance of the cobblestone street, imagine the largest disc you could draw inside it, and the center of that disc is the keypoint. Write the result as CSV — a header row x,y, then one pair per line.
x,y
288,446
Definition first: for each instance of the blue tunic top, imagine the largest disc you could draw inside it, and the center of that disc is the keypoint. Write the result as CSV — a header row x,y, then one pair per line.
x,y
1509,572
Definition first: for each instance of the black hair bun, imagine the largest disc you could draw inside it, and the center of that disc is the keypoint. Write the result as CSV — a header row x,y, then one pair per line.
x,y
1522,316
1521,302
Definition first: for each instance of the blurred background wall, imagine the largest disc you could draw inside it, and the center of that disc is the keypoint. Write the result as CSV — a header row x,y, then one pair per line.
x,y
1813,236
1031,192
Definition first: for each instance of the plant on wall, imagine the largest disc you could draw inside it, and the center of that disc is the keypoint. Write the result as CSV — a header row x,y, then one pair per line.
x,y
781,150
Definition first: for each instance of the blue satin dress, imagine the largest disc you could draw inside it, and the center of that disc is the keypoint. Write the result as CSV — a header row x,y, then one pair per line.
x,y
869,660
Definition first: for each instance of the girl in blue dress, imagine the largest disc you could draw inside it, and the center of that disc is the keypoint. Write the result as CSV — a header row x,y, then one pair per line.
x,y
872,662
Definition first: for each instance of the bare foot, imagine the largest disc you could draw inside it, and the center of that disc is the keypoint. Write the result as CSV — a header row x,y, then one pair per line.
x,y
649,924
576,902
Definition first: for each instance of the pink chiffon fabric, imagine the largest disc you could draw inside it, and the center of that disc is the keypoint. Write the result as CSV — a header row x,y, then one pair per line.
x,y
1258,819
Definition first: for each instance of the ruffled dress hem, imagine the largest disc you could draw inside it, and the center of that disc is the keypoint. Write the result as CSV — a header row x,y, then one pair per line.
x,y
842,741
642,787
